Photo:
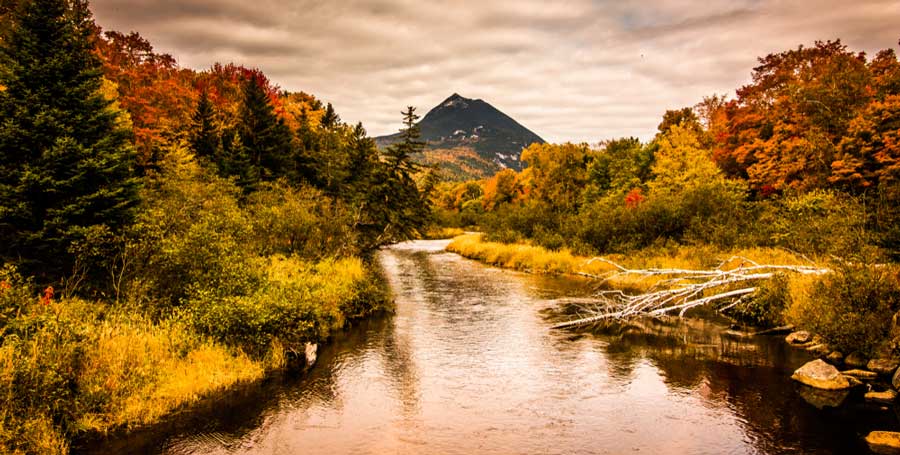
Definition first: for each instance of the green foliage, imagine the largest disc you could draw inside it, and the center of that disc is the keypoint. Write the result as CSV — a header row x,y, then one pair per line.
x,y
765,307
815,223
300,221
851,308
65,160
299,302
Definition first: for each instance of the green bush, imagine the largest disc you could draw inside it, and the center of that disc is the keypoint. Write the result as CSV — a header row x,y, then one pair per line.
x,y
851,307
765,308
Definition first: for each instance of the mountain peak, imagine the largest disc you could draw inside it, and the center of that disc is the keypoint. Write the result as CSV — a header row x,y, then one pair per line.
x,y
464,123
456,100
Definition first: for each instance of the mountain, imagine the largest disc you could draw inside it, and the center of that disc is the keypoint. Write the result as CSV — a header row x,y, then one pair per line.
x,y
461,123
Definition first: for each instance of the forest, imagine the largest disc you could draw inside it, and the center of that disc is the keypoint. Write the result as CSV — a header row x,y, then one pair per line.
x,y
800,168
169,233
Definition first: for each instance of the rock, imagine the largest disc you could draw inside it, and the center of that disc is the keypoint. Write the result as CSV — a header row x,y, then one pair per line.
x,y
884,442
856,360
821,375
835,358
895,381
820,350
310,354
822,399
861,374
799,337
888,396
854,383
886,367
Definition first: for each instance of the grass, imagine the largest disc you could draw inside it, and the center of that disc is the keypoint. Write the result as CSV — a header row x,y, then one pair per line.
x,y
73,367
436,233
537,259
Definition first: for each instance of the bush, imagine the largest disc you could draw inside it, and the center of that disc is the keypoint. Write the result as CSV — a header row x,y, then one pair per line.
x,y
300,302
766,307
851,307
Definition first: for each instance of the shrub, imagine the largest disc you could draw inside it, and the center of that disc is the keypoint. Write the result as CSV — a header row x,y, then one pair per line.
x,y
851,308
766,306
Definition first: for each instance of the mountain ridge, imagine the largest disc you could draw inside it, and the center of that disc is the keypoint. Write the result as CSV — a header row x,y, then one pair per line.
x,y
459,122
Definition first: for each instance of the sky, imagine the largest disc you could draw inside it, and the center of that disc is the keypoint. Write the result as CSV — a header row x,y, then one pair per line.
x,y
569,70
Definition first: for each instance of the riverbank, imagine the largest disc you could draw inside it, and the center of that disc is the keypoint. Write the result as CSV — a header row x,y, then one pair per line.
x,y
537,259
74,369
851,308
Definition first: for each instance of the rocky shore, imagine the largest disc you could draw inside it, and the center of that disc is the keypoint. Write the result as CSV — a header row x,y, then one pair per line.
x,y
828,380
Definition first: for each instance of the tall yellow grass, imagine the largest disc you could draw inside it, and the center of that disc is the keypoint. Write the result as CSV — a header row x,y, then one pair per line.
x,y
537,259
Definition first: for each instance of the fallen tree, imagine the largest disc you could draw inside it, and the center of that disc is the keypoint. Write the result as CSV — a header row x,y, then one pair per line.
x,y
680,290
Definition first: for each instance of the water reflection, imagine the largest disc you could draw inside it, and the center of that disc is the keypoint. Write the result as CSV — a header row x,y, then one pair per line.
x,y
467,364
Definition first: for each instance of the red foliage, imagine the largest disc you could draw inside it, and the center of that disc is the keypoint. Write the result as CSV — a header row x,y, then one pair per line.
x,y
48,296
634,198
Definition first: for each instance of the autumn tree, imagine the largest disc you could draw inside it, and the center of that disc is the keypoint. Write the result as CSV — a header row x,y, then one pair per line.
x,y
784,128
66,164
558,172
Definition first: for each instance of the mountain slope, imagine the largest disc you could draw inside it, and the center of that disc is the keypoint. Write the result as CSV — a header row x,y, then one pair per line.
x,y
460,123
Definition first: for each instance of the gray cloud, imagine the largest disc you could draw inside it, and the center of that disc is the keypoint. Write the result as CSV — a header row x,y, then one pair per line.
x,y
579,70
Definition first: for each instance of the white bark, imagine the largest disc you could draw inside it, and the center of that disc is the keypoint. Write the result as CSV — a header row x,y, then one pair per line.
x,y
681,290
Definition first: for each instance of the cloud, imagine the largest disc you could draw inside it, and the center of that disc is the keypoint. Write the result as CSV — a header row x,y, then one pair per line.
x,y
577,70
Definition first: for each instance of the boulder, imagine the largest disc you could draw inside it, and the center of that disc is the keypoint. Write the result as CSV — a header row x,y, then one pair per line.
x,y
862,375
835,358
820,349
884,442
895,381
886,367
799,337
821,375
310,351
856,360
887,397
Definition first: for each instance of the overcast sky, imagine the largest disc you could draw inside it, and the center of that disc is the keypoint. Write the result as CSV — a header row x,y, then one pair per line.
x,y
576,70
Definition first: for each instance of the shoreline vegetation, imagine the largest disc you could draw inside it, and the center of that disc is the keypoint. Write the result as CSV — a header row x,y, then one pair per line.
x,y
168,233
765,176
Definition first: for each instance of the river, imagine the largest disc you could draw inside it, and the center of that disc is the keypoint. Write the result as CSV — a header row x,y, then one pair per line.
x,y
467,364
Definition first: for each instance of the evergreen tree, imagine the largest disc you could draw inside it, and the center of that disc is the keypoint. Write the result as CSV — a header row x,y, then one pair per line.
x,y
205,140
66,165
400,154
265,136
330,119
398,206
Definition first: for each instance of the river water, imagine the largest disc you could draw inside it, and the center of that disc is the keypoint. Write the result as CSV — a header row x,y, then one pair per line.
x,y
467,364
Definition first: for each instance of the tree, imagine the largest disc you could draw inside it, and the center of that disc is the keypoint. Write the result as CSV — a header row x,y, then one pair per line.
x,y
205,139
398,207
400,155
66,164
681,161
264,136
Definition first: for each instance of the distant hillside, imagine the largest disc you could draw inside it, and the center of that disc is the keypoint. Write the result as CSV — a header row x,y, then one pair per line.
x,y
462,123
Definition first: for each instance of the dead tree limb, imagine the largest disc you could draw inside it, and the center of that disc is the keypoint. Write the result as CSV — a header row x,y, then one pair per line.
x,y
680,290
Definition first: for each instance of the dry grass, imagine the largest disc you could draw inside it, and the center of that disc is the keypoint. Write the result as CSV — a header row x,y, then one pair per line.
x,y
537,259
138,371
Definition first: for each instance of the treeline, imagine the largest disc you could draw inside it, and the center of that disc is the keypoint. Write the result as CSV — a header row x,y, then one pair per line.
x,y
804,157
803,161
170,232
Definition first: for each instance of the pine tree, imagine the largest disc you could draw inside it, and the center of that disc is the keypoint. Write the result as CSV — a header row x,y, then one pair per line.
x,y
205,140
330,119
400,154
398,205
265,136
66,165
